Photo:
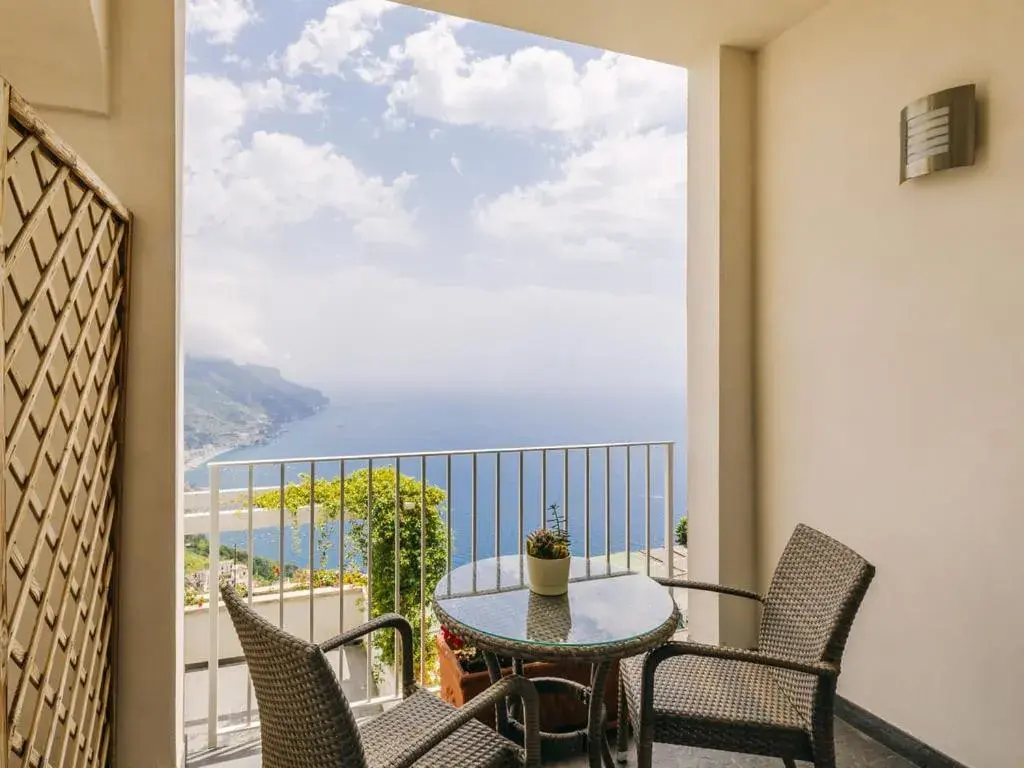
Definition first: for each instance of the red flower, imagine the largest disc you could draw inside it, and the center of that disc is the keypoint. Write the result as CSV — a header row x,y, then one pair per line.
x,y
451,639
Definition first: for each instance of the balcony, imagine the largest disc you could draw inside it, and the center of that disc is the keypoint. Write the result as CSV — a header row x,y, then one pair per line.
x,y
850,349
619,502
255,522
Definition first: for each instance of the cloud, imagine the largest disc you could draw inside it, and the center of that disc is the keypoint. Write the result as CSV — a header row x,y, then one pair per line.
x,y
479,339
432,75
571,281
273,94
325,45
219,20
233,59
238,186
624,196
215,110
218,316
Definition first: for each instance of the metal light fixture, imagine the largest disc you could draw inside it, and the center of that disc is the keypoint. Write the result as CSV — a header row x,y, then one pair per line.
x,y
938,132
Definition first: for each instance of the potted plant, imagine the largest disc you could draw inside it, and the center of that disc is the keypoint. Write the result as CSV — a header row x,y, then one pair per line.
x,y
547,557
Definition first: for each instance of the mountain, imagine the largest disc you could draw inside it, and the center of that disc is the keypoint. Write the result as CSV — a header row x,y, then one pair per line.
x,y
229,405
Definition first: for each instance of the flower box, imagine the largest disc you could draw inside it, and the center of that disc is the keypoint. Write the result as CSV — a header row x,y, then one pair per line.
x,y
558,712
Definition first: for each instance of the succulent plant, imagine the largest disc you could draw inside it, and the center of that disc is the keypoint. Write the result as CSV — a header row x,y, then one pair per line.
x,y
549,543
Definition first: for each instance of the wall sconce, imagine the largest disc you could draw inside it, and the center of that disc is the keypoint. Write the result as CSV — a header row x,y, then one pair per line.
x,y
938,132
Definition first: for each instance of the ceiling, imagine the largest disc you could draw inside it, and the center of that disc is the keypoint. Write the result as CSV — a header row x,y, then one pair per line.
x,y
55,51
673,31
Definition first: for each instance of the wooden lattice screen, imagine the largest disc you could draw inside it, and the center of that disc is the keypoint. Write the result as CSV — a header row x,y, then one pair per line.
x,y
64,242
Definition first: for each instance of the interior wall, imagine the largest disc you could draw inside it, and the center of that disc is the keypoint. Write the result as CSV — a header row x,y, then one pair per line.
x,y
135,151
891,355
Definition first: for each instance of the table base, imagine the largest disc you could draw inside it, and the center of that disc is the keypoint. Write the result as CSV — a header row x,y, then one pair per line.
x,y
591,739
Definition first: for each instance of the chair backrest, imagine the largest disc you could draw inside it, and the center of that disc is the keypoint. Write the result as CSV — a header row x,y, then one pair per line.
x,y
817,588
305,720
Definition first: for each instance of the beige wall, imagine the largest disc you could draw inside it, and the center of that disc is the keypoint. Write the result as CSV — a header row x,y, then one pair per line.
x,y
56,52
891,355
135,152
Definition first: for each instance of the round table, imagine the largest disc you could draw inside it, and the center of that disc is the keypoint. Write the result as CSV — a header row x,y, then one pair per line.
x,y
609,613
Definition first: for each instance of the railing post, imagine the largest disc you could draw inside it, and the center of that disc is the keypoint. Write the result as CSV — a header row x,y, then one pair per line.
x,y
399,509
369,574
497,505
629,508
341,560
423,569
312,549
647,507
519,546
214,585
472,510
586,504
670,548
249,569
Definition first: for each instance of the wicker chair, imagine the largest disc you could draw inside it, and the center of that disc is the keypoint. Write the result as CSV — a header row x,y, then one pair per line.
x,y
776,700
305,720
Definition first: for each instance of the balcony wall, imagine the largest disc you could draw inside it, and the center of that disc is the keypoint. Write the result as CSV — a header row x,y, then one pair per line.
x,y
326,620
891,355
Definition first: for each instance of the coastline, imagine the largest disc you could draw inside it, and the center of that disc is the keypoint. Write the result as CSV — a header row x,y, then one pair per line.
x,y
264,433
196,457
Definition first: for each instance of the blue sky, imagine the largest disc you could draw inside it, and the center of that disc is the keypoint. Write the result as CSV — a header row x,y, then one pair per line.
x,y
381,196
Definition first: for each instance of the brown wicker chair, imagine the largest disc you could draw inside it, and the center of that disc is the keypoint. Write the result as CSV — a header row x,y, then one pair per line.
x,y
776,700
305,720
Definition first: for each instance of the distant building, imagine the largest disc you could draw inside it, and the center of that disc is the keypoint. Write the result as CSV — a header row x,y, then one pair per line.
x,y
230,571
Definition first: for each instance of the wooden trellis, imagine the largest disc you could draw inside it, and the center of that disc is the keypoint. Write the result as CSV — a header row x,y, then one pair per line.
x,y
64,244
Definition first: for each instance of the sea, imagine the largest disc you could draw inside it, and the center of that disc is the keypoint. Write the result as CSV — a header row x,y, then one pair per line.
x,y
358,423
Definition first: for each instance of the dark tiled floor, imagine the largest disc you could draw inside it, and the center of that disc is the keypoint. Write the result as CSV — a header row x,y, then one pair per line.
x,y
854,750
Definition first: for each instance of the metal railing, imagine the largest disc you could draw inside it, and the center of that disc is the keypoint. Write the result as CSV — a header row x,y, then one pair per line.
x,y
600,489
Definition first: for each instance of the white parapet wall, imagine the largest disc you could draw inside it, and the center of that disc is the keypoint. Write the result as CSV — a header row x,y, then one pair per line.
x,y
234,512
327,608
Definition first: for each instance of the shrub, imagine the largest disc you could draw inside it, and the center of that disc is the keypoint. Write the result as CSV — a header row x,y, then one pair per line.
x,y
681,532
194,597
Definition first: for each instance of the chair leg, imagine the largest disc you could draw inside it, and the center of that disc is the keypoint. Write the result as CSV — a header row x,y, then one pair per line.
x,y
644,753
622,736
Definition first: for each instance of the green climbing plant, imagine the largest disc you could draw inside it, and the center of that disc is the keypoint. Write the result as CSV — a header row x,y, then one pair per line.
x,y
379,548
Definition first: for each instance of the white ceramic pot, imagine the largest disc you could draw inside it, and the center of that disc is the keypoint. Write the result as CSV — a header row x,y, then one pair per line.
x,y
548,577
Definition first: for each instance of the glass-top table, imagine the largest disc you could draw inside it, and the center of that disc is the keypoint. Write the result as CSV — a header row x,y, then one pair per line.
x,y
608,613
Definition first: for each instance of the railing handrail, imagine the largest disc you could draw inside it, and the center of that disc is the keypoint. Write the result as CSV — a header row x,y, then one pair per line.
x,y
429,454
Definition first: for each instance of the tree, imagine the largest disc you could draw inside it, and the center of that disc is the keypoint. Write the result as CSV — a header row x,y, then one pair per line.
x,y
381,549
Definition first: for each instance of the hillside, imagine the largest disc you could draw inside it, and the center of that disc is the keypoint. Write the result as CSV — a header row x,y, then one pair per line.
x,y
229,405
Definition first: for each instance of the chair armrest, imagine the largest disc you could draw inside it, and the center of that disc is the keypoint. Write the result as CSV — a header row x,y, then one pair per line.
x,y
513,685
821,669
705,587
384,621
